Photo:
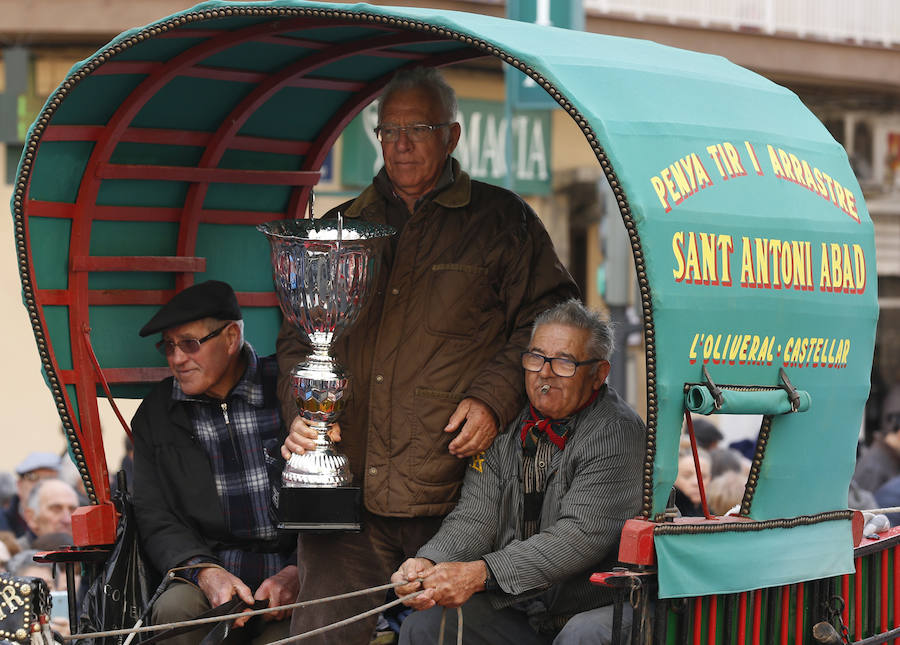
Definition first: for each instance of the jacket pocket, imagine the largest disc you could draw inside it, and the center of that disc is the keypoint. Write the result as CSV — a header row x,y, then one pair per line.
x,y
457,295
431,463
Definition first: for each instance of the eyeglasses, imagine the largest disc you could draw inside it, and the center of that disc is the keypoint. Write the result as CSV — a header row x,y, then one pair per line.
x,y
34,476
187,345
565,367
416,132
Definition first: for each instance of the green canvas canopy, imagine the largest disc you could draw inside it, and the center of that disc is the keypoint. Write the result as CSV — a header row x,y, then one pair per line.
x,y
150,166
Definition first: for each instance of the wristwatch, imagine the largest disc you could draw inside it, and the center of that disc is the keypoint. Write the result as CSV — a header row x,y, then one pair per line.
x,y
490,583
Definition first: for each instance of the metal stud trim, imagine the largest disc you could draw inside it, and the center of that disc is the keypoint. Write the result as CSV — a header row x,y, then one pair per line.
x,y
762,440
670,528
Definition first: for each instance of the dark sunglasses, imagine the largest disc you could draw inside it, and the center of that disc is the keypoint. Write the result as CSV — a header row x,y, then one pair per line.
x,y
187,345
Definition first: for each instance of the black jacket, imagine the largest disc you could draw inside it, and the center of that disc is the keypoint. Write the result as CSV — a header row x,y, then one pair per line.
x,y
179,515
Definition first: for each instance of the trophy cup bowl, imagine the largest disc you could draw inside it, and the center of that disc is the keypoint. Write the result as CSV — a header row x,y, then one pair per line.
x,y
322,270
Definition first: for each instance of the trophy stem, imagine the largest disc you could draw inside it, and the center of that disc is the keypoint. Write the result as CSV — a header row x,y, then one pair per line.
x,y
320,386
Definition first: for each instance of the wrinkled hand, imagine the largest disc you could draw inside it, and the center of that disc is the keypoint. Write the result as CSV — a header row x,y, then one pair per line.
x,y
302,438
478,431
220,586
280,589
450,584
411,570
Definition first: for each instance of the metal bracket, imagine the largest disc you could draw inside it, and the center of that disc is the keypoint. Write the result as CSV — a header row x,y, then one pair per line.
x,y
713,389
790,389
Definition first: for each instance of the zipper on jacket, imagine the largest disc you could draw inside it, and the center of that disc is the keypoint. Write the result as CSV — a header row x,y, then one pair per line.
x,y
234,446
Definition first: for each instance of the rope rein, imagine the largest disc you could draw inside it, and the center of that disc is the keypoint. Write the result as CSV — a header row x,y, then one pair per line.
x,y
307,603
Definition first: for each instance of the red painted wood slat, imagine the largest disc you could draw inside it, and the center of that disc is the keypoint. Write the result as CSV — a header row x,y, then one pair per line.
x,y
798,614
149,213
896,577
698,620
175,137
112,297
885,580
209,175
857,599
785,613
124,375
138,263
757,617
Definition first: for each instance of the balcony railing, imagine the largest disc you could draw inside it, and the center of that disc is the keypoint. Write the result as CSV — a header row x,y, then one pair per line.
x,y
862,22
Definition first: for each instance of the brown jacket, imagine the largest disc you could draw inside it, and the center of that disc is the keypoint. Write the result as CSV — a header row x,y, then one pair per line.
x,y
446,320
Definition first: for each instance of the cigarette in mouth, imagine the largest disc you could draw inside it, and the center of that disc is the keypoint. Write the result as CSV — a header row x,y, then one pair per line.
x,y
545,388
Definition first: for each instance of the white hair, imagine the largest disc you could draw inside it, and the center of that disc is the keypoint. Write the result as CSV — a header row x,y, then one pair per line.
x,y
573,313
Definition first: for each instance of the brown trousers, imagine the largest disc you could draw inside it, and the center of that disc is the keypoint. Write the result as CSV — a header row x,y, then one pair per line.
x,y
336,563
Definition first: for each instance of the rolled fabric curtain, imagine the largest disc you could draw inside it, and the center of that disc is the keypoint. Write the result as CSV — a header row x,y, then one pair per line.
x,y
698,399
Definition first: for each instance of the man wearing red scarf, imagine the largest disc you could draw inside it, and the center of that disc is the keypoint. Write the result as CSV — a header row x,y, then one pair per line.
x,y
542,508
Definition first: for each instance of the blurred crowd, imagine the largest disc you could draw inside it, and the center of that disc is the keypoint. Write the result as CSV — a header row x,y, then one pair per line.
x,y
36,506
725,468
876,480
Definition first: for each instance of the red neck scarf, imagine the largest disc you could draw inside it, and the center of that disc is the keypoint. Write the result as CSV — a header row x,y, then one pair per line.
x,y
555,429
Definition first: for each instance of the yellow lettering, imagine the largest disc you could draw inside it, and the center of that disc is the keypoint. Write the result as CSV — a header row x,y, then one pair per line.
x,y
836,272
714,153
849,287
693,261
859,267
747,263
731,154
851,205
660,190
678,252
708,251
752,153
726,247
692,354
702,177
777,170
762,263
786,165
825,271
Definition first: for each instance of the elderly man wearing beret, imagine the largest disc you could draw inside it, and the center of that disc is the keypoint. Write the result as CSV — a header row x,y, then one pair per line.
x,y
206,459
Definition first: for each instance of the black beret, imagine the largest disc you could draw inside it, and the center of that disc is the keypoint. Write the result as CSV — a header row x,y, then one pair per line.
x,y
210,299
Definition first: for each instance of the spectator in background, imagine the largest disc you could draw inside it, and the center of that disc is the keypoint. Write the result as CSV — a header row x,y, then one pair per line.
x,y
888,496
8,547
722,458
726,491
23,565
68,472
49,510
35,467
687,490
880,461
706,433
7,490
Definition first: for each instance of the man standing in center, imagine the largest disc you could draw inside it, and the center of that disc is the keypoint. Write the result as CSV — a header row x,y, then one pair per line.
x,y
434,357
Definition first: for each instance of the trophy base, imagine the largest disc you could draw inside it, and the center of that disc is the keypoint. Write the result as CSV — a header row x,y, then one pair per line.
x,y
320,509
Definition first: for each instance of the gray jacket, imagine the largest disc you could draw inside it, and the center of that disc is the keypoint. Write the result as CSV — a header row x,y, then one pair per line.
x,y
594,485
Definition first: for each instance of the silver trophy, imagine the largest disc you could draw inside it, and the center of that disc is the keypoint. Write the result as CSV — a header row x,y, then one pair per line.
x,y
322,270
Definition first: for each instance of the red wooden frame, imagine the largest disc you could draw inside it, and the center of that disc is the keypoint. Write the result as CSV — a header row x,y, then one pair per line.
x,y
78,297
